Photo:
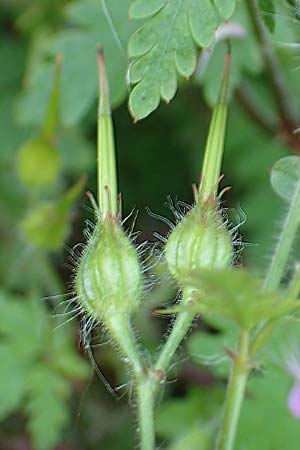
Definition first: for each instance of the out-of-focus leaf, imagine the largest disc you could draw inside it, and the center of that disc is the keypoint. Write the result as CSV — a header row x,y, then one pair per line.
x,y
258,204
38,163
209,349
46,407
225,7
77,152
12,374
234,294
274,428
193,439
12,55
285,176
89,22
175,416
37,365
47,226
268,12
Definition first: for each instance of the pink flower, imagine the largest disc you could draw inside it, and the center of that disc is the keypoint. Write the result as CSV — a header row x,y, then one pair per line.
x,y
294,399
293,368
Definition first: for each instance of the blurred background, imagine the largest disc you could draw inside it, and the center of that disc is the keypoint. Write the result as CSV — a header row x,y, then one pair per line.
x,y
50,394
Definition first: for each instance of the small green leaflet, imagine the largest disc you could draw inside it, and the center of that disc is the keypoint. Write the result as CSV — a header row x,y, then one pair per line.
x,y
285,176
236,295
166,45
225,8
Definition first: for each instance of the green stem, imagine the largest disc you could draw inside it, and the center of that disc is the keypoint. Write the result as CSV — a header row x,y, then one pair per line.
x,y
121,330
235,394
284,244
180,328
146,401
147,390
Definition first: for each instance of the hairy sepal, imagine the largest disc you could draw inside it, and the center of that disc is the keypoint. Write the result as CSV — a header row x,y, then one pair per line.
x,y
199,241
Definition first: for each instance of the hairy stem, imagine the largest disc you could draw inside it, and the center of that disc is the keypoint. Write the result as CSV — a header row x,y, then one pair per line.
x,y
284,244
146,401
147,391
120,329
278,265
235,394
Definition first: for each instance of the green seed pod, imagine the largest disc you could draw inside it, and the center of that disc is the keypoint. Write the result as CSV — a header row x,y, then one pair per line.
x,y
109,279
199,241
47,225
38,163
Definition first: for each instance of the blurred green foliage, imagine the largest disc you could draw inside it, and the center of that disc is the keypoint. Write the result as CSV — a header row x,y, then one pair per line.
x,y
47,400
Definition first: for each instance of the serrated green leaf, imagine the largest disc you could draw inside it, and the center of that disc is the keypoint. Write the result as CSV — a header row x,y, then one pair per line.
x,y
285,176
165,46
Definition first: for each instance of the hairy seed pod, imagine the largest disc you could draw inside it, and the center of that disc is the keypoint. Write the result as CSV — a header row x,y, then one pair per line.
x,y
199,241
109,279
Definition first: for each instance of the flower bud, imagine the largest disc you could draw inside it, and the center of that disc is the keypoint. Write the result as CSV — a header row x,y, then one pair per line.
x,y
109,279
199,241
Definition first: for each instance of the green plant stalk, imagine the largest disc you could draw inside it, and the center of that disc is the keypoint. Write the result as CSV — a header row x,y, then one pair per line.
x,y
119,325
278,265
208,187
146,402
284,244
235,394
180,328
106,160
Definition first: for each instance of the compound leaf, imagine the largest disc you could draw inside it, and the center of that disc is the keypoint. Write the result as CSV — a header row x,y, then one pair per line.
x,y
166,45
